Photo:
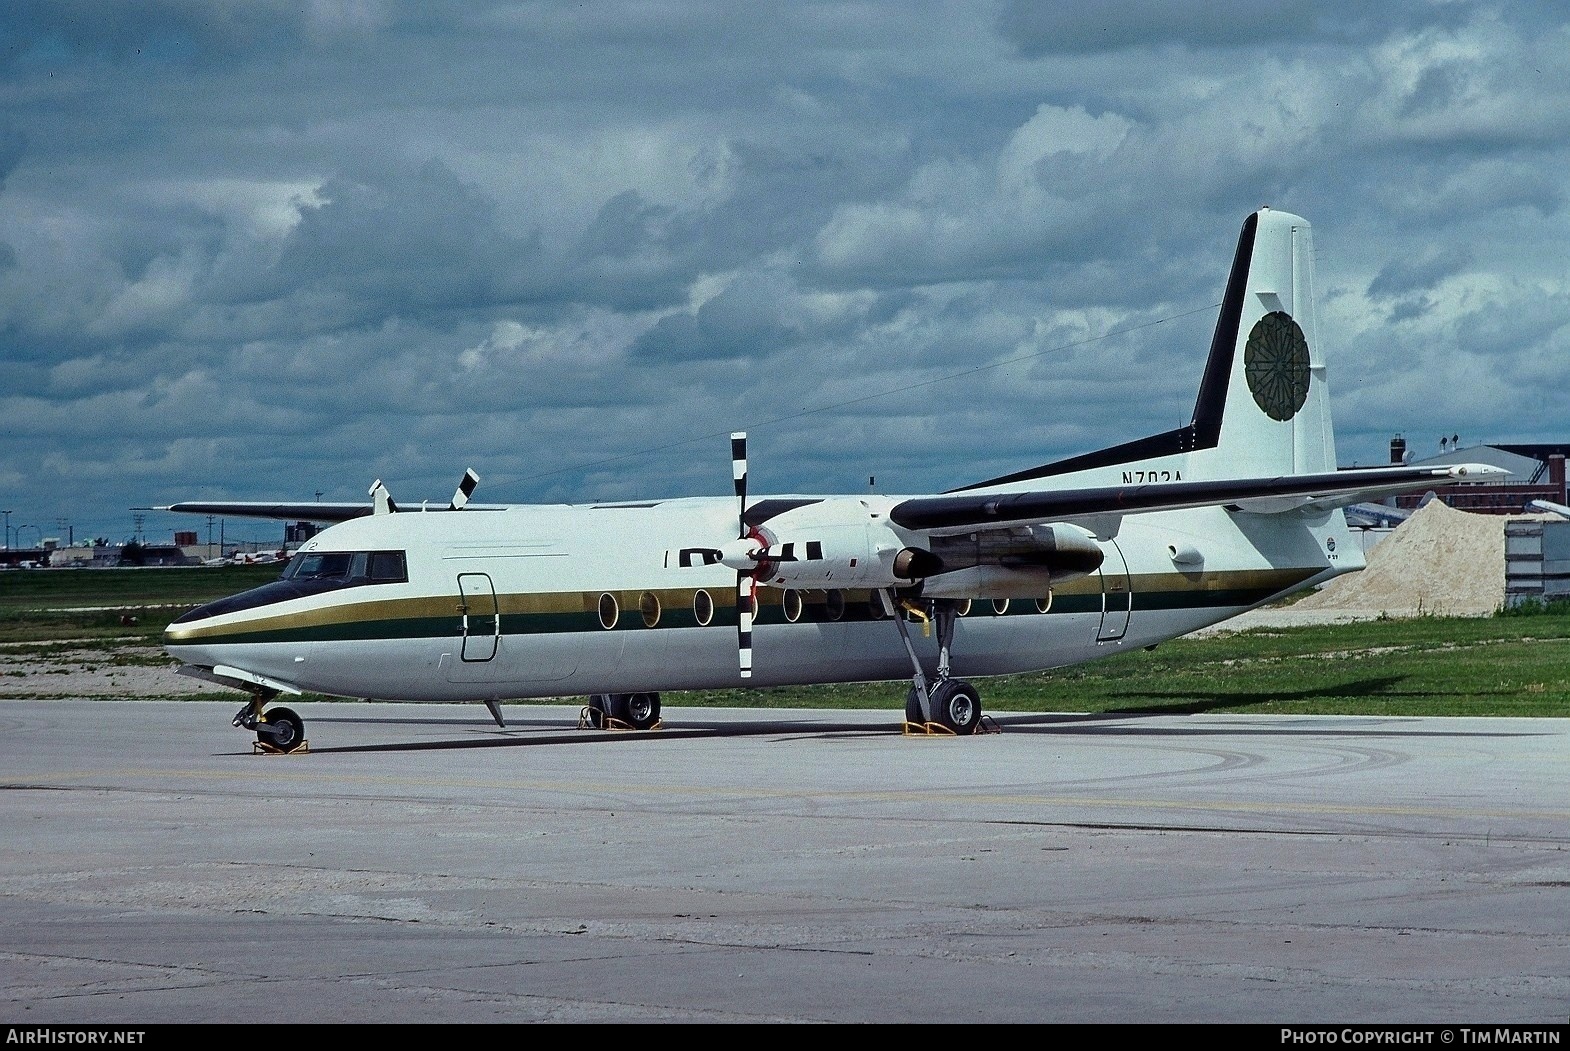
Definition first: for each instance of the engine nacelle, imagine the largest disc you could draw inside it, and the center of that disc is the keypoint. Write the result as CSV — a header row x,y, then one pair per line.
x,y
1063,551
849,544
990,582
836,556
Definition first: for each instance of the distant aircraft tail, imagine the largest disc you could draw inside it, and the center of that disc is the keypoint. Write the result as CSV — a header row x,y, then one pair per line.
x,y
1263,408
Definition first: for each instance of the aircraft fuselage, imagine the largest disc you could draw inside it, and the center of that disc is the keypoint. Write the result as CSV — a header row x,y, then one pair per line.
x,y
555,601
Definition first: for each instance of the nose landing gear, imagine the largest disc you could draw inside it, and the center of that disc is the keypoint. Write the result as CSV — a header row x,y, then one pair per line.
x,y
279,731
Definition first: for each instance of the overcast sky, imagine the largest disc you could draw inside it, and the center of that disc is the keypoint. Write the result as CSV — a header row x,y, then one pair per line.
x,y
268,249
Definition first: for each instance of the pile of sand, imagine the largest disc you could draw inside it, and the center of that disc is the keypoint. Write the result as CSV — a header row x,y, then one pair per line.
x,y
1441,561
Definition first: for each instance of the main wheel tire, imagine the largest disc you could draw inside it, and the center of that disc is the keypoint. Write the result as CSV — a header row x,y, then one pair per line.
x,y
643,710
599,710
956,705
913,708
288,730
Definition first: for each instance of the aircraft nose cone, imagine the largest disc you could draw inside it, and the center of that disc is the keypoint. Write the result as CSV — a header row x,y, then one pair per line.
x,y
178,630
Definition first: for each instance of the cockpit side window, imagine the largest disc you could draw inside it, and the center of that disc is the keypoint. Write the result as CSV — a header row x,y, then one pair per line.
x,y
388,567
353,567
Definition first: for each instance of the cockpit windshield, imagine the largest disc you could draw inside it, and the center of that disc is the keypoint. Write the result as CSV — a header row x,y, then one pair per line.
x,y
313,573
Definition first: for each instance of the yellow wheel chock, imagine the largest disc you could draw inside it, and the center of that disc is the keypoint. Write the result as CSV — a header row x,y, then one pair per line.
x,y
927,730
586,722
986,726
259,748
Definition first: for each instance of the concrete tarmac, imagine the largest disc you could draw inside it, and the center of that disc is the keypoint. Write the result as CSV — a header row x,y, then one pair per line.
x,y
420,864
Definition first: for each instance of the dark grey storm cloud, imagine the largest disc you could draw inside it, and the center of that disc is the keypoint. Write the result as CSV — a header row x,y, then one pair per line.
x,y
268,249
1057,27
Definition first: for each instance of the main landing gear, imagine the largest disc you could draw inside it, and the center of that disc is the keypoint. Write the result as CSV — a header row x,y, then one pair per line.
x,y
622,711
945,706
277,731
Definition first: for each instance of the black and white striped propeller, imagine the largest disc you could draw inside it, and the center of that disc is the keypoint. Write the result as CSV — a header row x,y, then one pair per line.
x,y
753,555
742,554
465,490
383,503
746,582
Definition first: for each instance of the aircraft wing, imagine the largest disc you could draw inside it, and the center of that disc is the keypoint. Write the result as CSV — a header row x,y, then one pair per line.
x,y
311,512
940,515
381,503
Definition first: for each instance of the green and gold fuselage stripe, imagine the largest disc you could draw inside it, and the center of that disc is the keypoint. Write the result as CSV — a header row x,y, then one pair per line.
x,y
552,613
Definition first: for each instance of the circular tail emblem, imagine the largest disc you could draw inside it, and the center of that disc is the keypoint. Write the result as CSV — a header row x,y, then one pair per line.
x,y
1275,362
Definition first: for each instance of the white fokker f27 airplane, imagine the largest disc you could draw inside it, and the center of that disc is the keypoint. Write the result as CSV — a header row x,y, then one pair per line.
x,y
1047,567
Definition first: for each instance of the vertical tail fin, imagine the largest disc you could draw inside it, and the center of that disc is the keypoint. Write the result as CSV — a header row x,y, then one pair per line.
x,y
1263,407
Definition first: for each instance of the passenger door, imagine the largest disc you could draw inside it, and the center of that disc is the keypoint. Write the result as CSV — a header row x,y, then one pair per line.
x,y
482,622
1117,595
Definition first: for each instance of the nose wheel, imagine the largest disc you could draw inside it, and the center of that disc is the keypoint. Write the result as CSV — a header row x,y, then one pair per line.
x,y
280,730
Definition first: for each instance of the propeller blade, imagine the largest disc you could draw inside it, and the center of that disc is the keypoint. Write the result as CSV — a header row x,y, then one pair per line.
x,y
744,607
465,490
739,554
746,586
738,466
383,501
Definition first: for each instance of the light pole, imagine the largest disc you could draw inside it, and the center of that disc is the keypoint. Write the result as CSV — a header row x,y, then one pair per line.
x,y
7,529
